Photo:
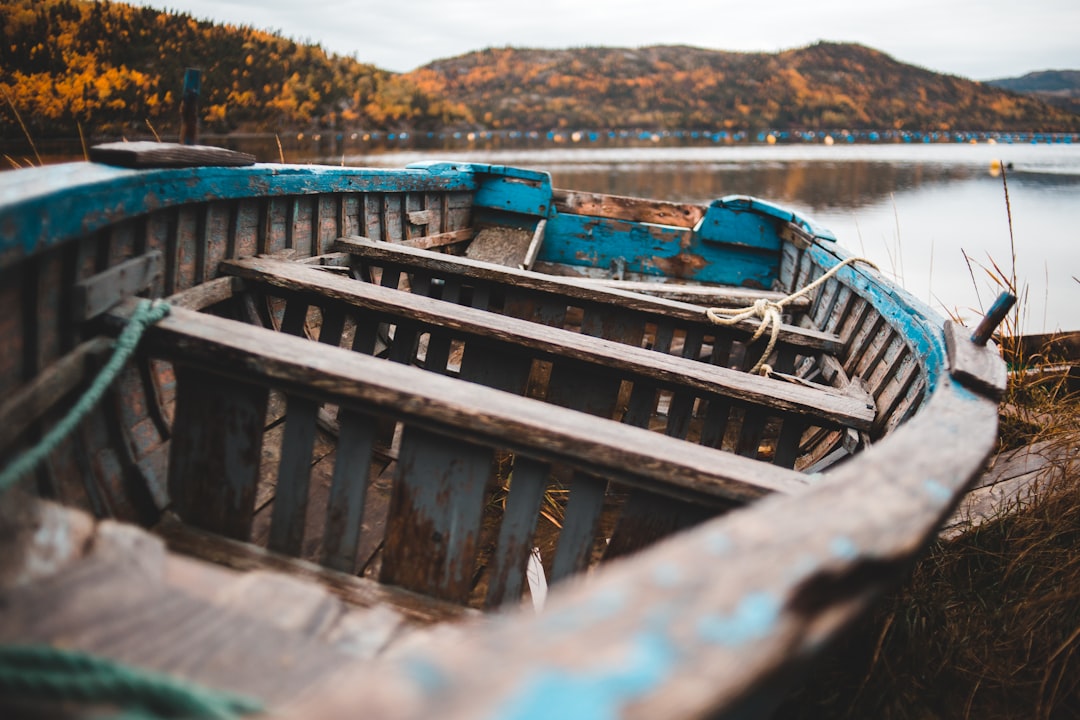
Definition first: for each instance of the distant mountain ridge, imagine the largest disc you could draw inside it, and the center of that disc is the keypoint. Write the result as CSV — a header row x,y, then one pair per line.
x,y
1057,87
74,67
822,86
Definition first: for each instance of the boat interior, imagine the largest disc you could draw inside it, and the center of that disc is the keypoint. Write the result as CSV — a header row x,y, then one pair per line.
x,y
383,403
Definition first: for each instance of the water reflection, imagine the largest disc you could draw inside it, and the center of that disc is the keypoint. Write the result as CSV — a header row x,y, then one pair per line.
x,y
818,186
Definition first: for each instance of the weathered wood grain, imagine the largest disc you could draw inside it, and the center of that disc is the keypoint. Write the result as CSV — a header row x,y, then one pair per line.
x,y
361,592
21,409
345,510
464,410
739,633
823,404
433,531
523,502
159,154
215,451
619,207
977,366
566,290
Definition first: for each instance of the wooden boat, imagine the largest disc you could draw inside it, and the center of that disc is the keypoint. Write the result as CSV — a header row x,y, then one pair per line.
x,y
362,414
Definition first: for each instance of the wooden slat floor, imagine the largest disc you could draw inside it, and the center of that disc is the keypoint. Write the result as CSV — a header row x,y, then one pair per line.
x,y
117,592
1013,481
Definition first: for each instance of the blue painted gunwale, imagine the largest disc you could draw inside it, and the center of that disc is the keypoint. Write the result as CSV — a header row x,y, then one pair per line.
x,y
41,207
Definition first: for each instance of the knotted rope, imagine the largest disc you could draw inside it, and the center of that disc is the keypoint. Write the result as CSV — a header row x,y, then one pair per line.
x,y
146,314
770,312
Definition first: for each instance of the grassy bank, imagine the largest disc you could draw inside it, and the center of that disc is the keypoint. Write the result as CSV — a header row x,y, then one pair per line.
x,y
988,625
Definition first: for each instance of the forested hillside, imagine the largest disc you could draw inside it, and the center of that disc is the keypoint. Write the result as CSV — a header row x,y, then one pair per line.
x,y
827,85
110,67
105,68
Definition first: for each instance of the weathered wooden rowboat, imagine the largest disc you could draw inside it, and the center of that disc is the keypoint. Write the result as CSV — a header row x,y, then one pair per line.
x,y
353,427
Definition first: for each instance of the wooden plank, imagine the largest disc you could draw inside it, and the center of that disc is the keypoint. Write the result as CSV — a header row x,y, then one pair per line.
x,y
495,367
294,469
823,404
1014,479
94,295
22,408
762,616
787,443
681,408
619,207
566,289
501,245
699,295
646,518
207,294
753,425
215,450
580,522
355,591
162,155
282,601
348,491
467,411
523,502
978,367
438,240
432,536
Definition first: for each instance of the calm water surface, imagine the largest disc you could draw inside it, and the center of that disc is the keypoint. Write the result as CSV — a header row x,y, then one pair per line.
x,y
915,210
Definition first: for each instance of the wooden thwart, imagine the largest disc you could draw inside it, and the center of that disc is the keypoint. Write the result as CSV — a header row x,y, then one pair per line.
x,y
575,292
469,412
824,404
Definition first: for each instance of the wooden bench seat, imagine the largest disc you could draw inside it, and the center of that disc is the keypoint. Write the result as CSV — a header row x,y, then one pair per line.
x,y
451,432
601,360
722,408
536,291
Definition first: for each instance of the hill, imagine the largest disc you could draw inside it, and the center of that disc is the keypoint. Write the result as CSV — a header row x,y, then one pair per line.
x,y
70,67
1057,87
105,67
826,85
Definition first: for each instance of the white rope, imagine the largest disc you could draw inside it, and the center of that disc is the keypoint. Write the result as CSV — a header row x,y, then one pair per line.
x,y
770,313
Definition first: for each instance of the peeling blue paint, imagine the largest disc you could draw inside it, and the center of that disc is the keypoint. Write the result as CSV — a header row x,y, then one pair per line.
x,y
599,694
920,325
45,206
843,547
936,490
754,618
426,674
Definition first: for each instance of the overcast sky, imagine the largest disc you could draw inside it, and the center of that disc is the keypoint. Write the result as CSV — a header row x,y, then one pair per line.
x,y
978,39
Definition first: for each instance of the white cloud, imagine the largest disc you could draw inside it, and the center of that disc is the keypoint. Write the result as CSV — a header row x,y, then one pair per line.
x,y
981,40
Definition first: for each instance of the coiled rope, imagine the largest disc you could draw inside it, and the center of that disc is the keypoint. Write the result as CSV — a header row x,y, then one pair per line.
x,y
770,313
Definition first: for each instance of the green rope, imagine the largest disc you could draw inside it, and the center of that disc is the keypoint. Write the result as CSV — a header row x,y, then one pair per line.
x,y
47,673
146,314
40,672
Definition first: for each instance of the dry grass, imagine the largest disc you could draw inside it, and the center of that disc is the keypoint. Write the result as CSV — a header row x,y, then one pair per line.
x,y
988,625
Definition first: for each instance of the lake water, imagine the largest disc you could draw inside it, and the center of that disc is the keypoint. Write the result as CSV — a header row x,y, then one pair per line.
x,y
915,210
